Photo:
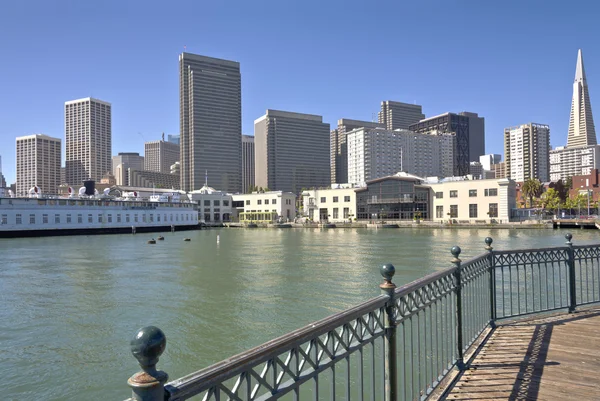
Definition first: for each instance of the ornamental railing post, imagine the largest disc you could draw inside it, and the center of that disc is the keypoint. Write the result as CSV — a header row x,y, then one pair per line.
x,y
389,345
459,324
488,247
571,266
146,346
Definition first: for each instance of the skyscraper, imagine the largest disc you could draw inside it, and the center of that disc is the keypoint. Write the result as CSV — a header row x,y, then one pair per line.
x,y
210,99
124,161
292,151
173,138
395,115
247,162
581,125
159,156
38,164
88,135
527,152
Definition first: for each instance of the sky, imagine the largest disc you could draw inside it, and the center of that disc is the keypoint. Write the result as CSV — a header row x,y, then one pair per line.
x,y
513,62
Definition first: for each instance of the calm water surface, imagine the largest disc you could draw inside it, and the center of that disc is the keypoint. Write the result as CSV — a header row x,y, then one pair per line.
x,y
70,305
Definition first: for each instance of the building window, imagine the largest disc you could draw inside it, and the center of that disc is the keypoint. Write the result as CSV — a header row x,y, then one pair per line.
x,y
453,211
118,218
259,202
144,217
68,219
454,194
151,217
206,216
217,216
19,219
45,219
439,212
472,193
473,211
336,212
216,203
80,218
90,218
491,192
135,218
273,201
126,218
110,218
57,219
4,219
266,201
335,199
346,212
347,198
248,202
99,218
158,218
493,210
225,202
323,199
439,195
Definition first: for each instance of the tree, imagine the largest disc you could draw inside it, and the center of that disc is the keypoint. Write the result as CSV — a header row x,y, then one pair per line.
x,y
570,204
531,188
561,188
551,199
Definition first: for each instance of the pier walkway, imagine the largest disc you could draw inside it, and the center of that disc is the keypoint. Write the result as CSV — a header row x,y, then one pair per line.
x,y
548,358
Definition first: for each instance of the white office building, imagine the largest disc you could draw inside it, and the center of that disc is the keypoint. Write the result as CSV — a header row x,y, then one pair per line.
x,y
527,152
330,205
265,207
213,206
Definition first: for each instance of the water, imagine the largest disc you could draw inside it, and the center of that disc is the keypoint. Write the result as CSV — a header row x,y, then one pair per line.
x,y
70,305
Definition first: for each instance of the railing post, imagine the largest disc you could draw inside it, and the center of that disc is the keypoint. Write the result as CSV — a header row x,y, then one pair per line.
x,y
459,326
571,265
488,247
146,346
389,346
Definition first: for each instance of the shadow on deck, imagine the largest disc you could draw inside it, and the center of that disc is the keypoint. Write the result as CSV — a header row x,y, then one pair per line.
x,y
548,358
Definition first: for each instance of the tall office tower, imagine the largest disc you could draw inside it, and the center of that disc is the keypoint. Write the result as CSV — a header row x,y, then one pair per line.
x,y
160,155
174,139
124,161
397,115
247,163
487,161
210,98
88,135
38,164
469,129
581,124
339,148
375,153
291,151
527,152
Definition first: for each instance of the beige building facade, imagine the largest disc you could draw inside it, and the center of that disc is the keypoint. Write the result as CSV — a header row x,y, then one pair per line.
x,y
159,156
329,205
38,164
265,206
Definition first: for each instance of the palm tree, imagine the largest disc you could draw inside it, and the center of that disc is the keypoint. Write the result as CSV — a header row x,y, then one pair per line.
x,y
531,188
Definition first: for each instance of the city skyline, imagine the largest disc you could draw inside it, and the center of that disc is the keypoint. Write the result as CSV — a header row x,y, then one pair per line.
x,y
486,82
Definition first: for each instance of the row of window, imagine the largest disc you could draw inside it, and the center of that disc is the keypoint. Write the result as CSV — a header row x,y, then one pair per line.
x,y
472,193
473,213
90,218
335,199
217,202
258,202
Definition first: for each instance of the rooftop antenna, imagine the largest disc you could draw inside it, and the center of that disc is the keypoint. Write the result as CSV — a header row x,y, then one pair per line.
x,y
163,136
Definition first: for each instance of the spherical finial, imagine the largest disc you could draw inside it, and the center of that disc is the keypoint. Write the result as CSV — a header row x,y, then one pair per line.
x,y
488,241
568,236
148,344
455,251
387,271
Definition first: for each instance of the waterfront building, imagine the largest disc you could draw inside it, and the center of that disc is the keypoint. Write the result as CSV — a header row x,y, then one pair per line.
x,y
88,136
176,139
567,162
160,156
213,206
398,197
152,179
291,151
265,207
339,146
337,204
463,200
375,153
469,129
581,123
38,164
248,171
210,98
527,152
124,161
398,115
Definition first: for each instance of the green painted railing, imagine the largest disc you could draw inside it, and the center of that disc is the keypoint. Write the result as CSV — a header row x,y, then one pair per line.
x,y
406,344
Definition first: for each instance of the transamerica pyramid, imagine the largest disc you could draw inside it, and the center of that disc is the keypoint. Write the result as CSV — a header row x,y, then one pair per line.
x,y
581,124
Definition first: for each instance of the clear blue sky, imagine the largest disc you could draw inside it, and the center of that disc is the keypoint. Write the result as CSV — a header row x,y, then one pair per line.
x,y
512,61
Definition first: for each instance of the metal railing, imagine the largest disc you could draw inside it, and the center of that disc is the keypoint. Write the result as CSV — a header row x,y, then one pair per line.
x,y
402,345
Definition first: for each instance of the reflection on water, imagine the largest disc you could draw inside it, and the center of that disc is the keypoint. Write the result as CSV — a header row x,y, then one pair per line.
x,y
71,304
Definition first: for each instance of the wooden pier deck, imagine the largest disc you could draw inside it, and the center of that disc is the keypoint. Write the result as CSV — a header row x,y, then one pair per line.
x,y
552,358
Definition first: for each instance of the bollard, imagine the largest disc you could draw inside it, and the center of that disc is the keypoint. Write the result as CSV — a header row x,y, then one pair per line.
x,y
571,267
488,247
459,326
146,346
388,288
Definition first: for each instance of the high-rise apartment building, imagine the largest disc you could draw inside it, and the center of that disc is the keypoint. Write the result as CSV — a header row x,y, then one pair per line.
x,y
291,151
247,163
124,161
339,148
210,98
174,139
581,124
567,162
159,156
469,129
398,115
376,153
88,135
38,164
527,152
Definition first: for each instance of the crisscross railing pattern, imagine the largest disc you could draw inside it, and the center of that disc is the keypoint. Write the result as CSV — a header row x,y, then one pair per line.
x,y
398,346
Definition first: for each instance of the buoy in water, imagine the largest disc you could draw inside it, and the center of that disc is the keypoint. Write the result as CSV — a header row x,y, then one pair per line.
x,y
161,238
218,238
152,241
